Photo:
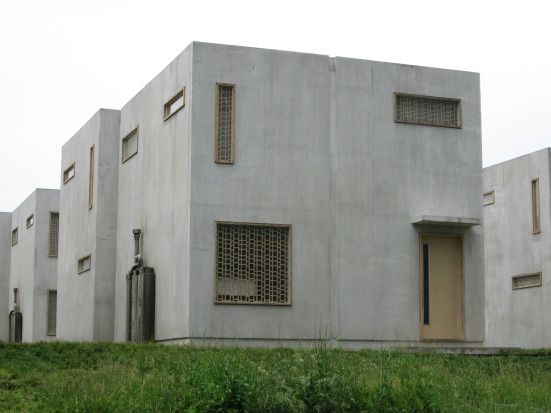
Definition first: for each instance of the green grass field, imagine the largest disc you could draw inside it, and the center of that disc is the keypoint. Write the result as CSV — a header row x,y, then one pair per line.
x,y
63,377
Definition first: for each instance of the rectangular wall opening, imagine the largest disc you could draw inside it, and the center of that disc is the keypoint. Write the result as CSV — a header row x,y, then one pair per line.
x,y
225,120
427,110
53,235
536,229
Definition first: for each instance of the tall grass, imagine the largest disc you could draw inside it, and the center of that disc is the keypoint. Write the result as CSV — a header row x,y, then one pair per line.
x,y
68,377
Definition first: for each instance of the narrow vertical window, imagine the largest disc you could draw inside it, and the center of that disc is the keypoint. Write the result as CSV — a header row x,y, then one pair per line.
x,y
225,119
52,313
129,145
426,309
16,296
53,234
91,179
14,236
536,206
30,221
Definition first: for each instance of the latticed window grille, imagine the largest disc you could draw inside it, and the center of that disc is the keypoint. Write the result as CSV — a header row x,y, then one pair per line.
x,y
53,235
52,313
425,110
253,263
527,281
224,123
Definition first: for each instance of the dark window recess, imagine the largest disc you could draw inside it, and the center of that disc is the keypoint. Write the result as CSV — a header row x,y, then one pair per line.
x,y
426,309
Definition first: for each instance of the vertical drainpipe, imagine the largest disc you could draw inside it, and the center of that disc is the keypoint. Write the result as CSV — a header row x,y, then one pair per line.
x,y
136,268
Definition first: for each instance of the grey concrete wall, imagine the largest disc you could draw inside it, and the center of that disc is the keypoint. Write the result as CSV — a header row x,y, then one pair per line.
x,y
154,196
86,300
5,252
387,173
31,270
517,318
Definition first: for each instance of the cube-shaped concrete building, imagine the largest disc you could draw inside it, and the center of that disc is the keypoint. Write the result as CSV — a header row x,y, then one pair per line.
x,y
5,251
33,264
517,221
88,219
287,197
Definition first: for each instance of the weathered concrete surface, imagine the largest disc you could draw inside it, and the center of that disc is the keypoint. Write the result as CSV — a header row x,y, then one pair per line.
x,y
5,251
520,317
32,271
86,304
316,148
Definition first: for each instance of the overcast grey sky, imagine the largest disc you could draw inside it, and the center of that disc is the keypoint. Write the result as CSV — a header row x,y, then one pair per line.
x,y
61,60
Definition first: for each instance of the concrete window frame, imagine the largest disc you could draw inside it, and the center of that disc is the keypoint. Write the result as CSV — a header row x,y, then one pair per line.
x,y
51,313
459,115
127,152
69,173
30,221
14,236
289,228
488,198
229,160
84,264
53,234
535,189
91,178
530,280
170,109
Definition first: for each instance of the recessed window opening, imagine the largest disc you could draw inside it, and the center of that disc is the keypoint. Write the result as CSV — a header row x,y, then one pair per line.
x,y
427,110
130,145
175,104
225,123
30,221
69,173
14,236
84,264
426,282
527,281
53,235
488,198
536,229
52,313
91,179
16,296
253,264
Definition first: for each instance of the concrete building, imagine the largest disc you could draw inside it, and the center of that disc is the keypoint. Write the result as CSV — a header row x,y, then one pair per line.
x,y
88,220
517,220
5,251
33,264
286,197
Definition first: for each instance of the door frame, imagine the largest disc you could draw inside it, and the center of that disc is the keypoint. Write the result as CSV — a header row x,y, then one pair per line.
x,y
462,282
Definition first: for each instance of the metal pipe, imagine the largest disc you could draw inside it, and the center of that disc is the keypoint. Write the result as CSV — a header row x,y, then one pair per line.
x,y
135,268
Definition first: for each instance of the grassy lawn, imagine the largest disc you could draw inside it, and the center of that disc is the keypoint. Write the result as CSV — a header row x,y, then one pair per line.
x,y
64,377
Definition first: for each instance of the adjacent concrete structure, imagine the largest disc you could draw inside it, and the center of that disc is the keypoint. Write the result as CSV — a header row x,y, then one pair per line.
x,y
363,196
88,220
5,251
33,263
517,219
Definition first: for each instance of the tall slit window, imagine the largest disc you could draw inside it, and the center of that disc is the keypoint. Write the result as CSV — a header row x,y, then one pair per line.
x,y
14,237
52,313
91,179
536,229
174,104
129,145
53,235
253,263
225,123
427,110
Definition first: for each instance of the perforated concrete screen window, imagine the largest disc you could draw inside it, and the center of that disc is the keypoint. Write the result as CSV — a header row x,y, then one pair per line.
x,y
489,198
175,104
130,145
30,221
53,234
527,281
14,236
84,264
51,324
253,263
427,110
69,173
225,119
536,229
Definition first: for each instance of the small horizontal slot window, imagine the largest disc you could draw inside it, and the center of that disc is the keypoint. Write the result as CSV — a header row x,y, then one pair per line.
x,y
14,236
527,281
30,221
130,145
489,198
69,173
84,264
175,104
427,110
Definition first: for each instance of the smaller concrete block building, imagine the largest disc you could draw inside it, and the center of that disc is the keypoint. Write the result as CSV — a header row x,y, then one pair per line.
x,y
88,218
33,264
517,219
5,251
